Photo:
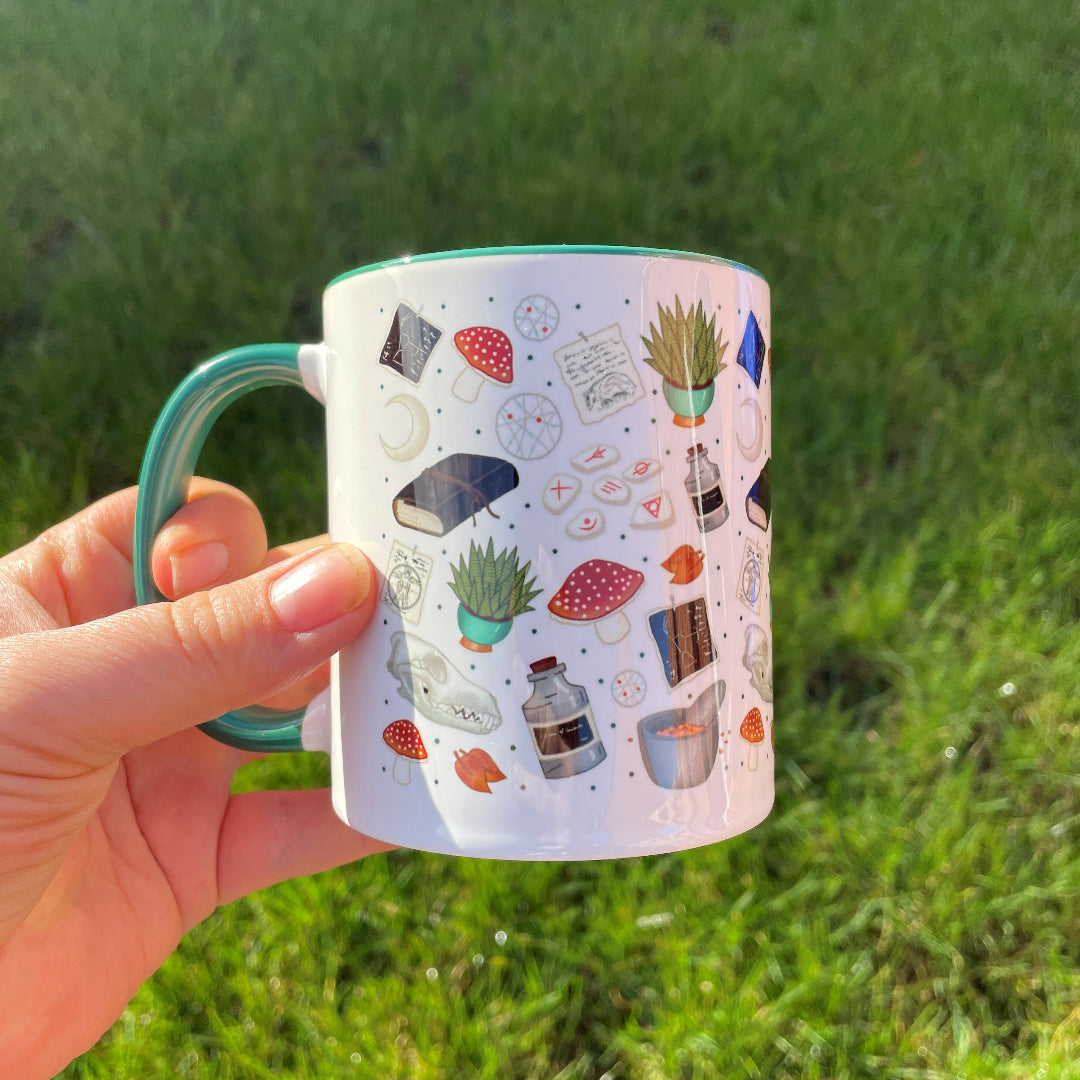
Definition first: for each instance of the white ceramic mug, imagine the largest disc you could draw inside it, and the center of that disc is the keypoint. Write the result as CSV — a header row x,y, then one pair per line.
x,y
558,460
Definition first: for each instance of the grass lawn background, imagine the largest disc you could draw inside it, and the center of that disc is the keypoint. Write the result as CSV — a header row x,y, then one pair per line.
x,y
180,177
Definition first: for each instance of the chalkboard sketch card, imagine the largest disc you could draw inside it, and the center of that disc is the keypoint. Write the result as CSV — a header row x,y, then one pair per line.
x,y
409,343
600,373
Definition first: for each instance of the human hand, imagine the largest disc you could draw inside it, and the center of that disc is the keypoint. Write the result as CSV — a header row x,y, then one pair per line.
x,y
118,832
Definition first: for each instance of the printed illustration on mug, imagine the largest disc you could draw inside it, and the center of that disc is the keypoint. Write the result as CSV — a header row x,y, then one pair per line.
x,y
453,490
600,374
409,343
491,591
679,747
687,352
429,682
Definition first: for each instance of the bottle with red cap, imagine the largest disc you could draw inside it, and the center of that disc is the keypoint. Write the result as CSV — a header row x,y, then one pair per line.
x,y
561,723
706,491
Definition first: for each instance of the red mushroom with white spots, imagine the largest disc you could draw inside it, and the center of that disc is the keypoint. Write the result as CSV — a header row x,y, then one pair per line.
x,y
403,737
752,729
488,355
596,592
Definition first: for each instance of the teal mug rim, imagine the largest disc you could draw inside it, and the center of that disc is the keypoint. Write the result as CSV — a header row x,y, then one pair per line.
x,y
545,249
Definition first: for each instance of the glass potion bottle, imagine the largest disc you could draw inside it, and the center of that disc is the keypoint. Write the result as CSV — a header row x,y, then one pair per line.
x,y
561,723
705,489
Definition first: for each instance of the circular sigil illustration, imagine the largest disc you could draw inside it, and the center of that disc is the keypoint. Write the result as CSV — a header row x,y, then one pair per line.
x,y
628,688
528,426
536,317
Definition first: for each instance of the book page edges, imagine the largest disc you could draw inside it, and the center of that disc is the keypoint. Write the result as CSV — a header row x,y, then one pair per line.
x,y
413,517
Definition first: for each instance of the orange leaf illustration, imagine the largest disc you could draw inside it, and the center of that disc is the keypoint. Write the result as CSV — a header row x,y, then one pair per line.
x,y
684,564
492,772
477,769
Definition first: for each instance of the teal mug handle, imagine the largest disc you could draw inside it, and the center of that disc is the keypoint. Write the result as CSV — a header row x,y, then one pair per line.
x,y
167,469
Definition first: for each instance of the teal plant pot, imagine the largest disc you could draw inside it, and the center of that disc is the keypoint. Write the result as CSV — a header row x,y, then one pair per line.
x,y
479,634
689,403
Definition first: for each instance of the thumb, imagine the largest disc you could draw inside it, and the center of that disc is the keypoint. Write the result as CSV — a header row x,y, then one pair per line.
x,y
85,695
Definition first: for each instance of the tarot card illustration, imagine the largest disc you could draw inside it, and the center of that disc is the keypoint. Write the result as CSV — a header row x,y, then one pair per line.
x,y
751,576
407,574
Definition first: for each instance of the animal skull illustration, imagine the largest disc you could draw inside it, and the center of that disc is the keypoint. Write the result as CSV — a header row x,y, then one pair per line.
x,y
437,690
609,390
757,659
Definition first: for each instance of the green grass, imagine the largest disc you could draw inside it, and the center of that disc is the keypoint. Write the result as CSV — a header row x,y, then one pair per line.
x,y
180,177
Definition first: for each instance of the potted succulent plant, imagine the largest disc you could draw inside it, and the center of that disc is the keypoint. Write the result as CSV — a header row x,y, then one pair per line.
x,y
491,589
686,352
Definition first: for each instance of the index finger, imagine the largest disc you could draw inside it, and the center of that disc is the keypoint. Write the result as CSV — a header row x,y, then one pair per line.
x,y
80,569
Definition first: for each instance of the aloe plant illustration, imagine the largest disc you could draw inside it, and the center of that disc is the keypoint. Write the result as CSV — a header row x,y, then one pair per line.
x,y
687,353
491,590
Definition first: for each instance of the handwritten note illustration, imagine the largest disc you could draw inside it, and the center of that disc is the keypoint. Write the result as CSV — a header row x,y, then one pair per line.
x,y
600,373
407,573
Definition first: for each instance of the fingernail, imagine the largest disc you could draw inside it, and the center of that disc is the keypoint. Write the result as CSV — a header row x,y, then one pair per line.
x,y
320,588
197,567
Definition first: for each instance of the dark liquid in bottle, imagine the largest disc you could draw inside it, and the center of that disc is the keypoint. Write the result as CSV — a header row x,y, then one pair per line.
x,y
567,735
708,501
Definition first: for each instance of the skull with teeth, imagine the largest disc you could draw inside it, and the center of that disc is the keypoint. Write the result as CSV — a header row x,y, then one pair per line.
x,y
437,690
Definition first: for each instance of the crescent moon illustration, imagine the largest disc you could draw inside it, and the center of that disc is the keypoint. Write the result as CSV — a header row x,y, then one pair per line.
x,y
752,448
420,426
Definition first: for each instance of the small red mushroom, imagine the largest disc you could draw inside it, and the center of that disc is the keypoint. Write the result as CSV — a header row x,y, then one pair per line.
x,y
488,354
753,731
403,737
596,592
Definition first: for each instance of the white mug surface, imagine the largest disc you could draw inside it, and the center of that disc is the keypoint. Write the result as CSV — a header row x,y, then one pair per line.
x,y
559,463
